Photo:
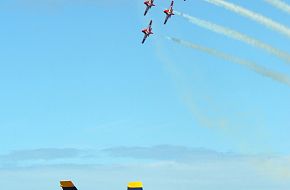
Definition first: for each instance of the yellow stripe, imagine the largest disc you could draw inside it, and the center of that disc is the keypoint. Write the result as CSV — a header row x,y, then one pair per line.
x,y
136,184
66,184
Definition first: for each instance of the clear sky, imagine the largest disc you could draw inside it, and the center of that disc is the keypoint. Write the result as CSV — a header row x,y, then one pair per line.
x,y
81,98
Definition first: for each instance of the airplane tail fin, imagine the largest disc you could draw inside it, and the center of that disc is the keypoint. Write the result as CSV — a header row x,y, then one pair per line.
x,y
137,185
67,185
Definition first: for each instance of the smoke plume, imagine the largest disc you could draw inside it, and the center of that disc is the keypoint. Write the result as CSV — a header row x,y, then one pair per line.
x,y
280,5
253,16
279,77
236,35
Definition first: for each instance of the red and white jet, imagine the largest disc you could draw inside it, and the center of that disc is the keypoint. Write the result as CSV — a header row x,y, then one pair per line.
x,y
169,12
147,31
149,4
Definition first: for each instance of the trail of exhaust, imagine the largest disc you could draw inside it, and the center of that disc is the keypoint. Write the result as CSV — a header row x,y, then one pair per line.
x,y
186,94
280,5
252,15
250,65
236,35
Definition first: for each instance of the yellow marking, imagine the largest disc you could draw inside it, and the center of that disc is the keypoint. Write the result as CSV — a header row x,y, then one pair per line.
x,y
66,184
136,184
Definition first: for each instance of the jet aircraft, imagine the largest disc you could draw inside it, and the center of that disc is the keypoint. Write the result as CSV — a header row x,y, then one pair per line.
x,y
169,12
147,31
149,4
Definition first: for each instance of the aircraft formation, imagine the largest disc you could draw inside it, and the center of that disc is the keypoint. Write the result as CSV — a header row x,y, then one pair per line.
x,y
149,4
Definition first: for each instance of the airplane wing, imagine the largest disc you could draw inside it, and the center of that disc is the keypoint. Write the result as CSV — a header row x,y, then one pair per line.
x,y
67,185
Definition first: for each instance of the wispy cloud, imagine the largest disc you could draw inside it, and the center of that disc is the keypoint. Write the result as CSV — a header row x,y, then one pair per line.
x,y
167,158
274,25
217,173
41,154
69,157
226,175
168,153
46,156
169,166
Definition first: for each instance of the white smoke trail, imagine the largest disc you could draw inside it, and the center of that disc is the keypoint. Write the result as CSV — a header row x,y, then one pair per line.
x,y
236,35
185,92
252,15
280,5
251,65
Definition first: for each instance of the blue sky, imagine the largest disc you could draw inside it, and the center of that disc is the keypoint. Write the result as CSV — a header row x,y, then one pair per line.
x,y
75,78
